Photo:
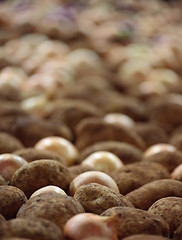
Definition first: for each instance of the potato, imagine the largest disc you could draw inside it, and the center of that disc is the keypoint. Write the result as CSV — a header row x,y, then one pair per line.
x,y
96,198
151,133
170,209
169,160
29,130
9,143
86,133
130,221
146,195
55,207
41,173
125,104
145,237
11,199
135,175
32,154
125,151
166,112
71,112
31,228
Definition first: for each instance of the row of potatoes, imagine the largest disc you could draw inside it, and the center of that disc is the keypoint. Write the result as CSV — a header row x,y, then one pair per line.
x,y
90,120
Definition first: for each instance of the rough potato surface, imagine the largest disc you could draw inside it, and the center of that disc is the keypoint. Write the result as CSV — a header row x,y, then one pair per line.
x,y
132,221
135,175
51,206
147,194
41,173
33,228
11,199
96,198
170,209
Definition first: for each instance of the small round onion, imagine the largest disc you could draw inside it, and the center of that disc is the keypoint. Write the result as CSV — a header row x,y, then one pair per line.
x,y
177,173
61,146
9,163
119,119
92,177
160,147
103,161
85,225
48,189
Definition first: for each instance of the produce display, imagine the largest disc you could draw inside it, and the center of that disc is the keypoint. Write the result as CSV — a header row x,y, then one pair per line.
x,y
90,120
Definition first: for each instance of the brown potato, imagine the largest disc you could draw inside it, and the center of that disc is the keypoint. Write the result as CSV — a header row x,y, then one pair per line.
x,y
31,228
32,154
9,143
71,112
125,151
130,221
166,112
86,133
170,209
170,160
135,175
11,199
96,198
41,173
30,130
146,195
55,207
151,133
145,237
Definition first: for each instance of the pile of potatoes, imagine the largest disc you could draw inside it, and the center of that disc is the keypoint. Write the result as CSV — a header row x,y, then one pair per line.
x,y
90,120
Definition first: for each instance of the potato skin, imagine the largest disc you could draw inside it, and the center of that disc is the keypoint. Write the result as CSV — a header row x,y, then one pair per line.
x,y
170,209
86,129
11,199
133,176
169,160
32,154
147,194
71,112
41,173
54,207
33,228
9,143
29,130
145,237
96,198
132,221
151,133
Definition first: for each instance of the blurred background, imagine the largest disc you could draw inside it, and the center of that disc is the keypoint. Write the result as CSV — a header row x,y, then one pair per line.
x,y
131,46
